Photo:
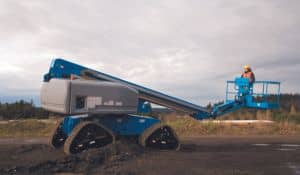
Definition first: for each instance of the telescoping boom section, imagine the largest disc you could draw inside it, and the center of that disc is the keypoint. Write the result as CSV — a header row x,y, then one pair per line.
x,y
64,69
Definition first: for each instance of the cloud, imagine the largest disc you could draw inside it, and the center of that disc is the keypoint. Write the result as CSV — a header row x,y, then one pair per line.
x,y
9,68
183,48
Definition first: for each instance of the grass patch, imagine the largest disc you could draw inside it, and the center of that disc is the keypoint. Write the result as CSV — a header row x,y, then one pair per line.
x,y
291,118
26,128
184,126
191,127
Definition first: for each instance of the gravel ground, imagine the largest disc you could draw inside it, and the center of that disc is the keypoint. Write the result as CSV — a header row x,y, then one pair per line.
x,y
198,155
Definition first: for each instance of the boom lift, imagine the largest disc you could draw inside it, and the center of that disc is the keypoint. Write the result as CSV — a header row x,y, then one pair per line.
x,y
100,107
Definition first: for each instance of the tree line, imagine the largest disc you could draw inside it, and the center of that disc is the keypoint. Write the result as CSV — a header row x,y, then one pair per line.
x,y
21,110
290,104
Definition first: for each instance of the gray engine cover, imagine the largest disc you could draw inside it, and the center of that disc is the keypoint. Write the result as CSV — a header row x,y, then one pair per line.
x,y
86,96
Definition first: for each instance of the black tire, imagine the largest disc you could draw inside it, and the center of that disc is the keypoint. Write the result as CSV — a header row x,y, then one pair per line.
x,y
57,136
88,135
160,136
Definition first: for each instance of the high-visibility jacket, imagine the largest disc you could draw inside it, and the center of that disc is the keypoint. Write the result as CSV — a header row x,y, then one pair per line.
x,y
249,75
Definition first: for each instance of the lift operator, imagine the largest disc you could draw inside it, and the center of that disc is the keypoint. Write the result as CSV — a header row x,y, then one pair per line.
x,y
248,74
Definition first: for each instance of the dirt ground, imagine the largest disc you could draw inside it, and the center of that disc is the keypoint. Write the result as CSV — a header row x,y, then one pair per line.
x,y
198,155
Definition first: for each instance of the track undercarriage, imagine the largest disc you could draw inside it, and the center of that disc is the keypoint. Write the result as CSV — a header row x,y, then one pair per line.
x,y
90,134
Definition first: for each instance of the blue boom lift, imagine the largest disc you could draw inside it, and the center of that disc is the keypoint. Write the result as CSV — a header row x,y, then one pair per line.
x,y
88,128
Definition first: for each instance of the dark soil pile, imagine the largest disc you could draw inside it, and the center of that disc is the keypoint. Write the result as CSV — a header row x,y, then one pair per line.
x,y
45,160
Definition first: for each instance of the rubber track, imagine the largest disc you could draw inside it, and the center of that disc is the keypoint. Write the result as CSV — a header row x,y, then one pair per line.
x,y
143,137
53,132
77,129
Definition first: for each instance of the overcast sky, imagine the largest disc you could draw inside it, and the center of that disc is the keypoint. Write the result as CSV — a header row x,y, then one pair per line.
x,y
185,48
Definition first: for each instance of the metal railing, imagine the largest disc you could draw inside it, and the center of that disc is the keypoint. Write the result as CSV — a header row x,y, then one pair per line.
x,y
263,91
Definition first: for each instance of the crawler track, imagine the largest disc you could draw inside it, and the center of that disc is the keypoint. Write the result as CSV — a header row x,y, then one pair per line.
x,y
160,136
87,135
57,137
